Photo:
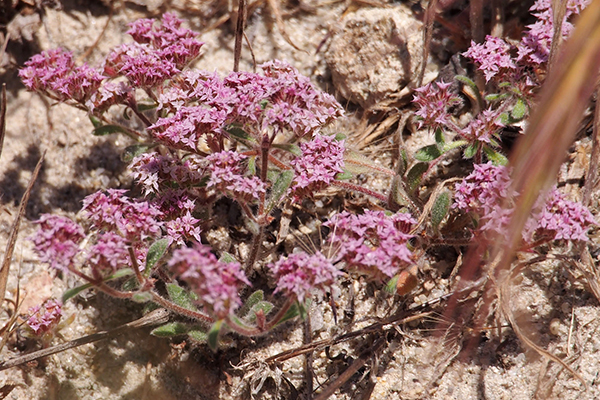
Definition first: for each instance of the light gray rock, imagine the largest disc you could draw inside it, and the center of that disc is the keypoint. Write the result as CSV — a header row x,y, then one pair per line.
x,y
376,53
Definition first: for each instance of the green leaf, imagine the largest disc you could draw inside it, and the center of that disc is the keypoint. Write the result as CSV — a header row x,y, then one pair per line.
x,y
340,136
170,329
390,287
180,296
263,306
135,150
495,156
130,285
252,165
399,195
97,122
291,313
415,175
76,290
237,133
155,253
342,176
428,153
470,151
198,336
251,301
440,209
142,297
108,129
356,163
496,97
403,162
227,258
505,119
439,138
453,145
213,335
289,147
146,105
519,110
279,189
467,81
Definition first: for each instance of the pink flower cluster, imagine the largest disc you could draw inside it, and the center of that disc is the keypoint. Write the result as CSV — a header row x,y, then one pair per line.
x,y
45,318
216,283
159,52
534,48
57,241
55,74
279,100
487,189
300,273
373,243
321,160
113,211
493,58
226,176
433,101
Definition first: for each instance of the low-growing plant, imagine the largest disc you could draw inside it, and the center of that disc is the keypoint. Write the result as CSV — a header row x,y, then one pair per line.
x,y
260,140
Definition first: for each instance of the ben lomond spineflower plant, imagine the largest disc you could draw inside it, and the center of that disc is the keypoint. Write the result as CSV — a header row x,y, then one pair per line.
x,y
255,144
254,138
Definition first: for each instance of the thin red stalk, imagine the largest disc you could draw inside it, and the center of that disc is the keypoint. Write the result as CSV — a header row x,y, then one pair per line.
x,y
360,189
169,305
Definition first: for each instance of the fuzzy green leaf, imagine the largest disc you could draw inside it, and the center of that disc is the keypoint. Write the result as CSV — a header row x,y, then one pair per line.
x,y
453,145
439,138
155,253
146,105
213,335
198,336
97,122
108,129
253,299
263,306
135,150
519,110
76,290
227,257
240,135
440,209
142,297
470,151
495,156
428,153
415,175
180,296
170,329
289,147
390,287
342,176
280,188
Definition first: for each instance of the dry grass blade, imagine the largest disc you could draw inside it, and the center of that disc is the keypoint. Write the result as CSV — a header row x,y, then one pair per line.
x,y
428,20
239,34
559,9
476,19
2,116
273,4
552,127
14,230
591,179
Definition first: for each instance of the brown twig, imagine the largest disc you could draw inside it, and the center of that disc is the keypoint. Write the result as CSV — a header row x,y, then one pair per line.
x,y
239,34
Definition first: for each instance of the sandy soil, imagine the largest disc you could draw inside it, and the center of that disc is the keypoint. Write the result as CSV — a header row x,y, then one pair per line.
x,y
562,315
